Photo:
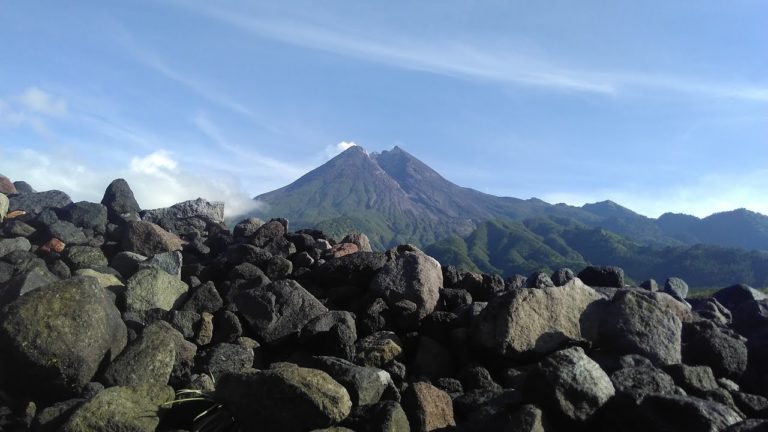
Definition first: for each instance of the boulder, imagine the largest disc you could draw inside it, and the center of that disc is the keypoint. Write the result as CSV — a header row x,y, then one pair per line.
x,y
378,349
25,282
153,288
134,409
534,322
411,275
86,215
708,345
247,227
148,359
267,233
81,257
356,269
696,380
224,358
204,298
359,239
562,276
14,244
539,280
314,398
6,186
683,414
570,385
23,187
603,276
750,318
365,385
278,310
36,202
187,217
639,381
146,238
387,416
332,334
634,323
120,203
169,262
733,296
677,288
55,338
428,408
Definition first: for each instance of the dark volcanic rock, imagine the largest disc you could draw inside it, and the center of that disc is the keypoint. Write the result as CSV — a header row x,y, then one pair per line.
x,y
676,287
707,345
120,202
55,338
604,276
278,310
733,296
36,202
146,238
147,360
413,276
86,215
22,187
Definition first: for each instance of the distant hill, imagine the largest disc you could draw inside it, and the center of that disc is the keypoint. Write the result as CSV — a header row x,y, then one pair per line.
x,y
395,198
508,248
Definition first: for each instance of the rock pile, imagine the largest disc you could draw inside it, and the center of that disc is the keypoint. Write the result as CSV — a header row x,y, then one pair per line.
x,y
117,318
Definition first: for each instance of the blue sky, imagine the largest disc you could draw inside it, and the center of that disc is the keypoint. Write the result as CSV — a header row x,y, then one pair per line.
x,y
658,105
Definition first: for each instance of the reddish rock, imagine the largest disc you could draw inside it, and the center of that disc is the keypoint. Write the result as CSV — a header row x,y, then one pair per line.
x,y
6,186
15,214
53,245
428,408
343,249
148,239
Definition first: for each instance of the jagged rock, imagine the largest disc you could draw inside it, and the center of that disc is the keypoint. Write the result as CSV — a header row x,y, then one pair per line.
x,y
204,333
55,338
365,385
682,413
67,232
314,398
36,202
278,310
23,187
25,282
708,345
341,249
428,408
204,298
634,323
378,349
696,380
146,238
477,378
169,262
603,276
279,268
751,318
534,322
637,382
224,358
3,206
527,418
188,217
356,269
331,334
10,245
750,425
539,280
650,285
134,409
153,288
733,296
247,227
6,186
16,228
562,276
149,359
86,215
52,418
571,385
126,263
388,416
267,233
120,203
226,327
676,287
410,275
359,239
81,257
710,309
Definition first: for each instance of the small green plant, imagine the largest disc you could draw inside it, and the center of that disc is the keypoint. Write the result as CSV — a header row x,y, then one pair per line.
x,y
214,418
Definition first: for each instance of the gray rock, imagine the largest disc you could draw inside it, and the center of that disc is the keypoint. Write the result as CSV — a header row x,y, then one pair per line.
x,y
365,385
527,418
247,227
23,187
650,285
684,414
603,276
25,282
204,298
187,217
562,276
278,310
81,257
86,215
267,233
637,382
634,323
314,398
571,385
134,409
388,416
359,239
677,288
534,322
185,322
36,202
16,228
68,233
51,418
55,338
410,275
120,202
14,244
733,296
146,238
126,263
378,349
153,288
706,344
169,262
696,380
539,280
224,358
331,334
149,359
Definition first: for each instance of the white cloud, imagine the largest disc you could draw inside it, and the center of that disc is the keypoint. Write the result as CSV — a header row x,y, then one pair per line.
x,y
157,179
333,150
38,101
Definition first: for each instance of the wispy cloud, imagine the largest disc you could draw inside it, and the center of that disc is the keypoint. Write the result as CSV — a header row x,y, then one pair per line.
x,y
468,61
333,150
41,102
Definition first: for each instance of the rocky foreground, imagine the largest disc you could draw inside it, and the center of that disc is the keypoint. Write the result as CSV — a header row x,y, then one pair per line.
x,y
118,319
